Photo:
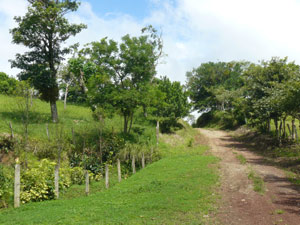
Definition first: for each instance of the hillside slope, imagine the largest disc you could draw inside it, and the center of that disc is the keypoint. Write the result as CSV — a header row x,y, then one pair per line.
x,y
176,189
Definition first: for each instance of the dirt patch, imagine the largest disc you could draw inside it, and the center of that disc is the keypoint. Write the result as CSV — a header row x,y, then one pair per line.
x,y
240,204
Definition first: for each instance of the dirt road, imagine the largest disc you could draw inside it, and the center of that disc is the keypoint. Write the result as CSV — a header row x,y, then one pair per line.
x,y
240,204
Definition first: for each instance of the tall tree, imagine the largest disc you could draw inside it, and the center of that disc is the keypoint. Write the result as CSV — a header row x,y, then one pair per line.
x,y
125,71
43,30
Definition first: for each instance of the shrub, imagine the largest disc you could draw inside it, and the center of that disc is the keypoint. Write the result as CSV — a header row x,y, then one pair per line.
x,y
37,182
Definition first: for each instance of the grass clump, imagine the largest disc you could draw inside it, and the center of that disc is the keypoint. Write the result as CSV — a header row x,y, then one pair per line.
x,y
242,159
258,182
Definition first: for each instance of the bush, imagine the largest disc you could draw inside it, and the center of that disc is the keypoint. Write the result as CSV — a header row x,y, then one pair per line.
x,y
37,181
219,119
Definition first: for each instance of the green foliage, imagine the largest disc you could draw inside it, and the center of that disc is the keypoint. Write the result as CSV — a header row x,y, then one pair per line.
x,y
212,85
125,73
219,119
171,103
6,187
8,84
37,181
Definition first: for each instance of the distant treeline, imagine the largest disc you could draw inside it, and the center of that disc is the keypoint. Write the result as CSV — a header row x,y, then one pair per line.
x,y
244,92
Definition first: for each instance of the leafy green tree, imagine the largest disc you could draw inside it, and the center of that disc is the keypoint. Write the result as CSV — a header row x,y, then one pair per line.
x,y
170,103
124,72
211,83
267,91
8,84
44,29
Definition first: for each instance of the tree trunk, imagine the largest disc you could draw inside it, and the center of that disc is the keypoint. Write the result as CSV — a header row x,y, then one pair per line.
x,y
133,164
31,94
284,128
293,129
143,160
11,131
157,132
66,96
269,126
82,83
125,124
280,131
291,132
119,170
276,127
54,114
131,120
296,133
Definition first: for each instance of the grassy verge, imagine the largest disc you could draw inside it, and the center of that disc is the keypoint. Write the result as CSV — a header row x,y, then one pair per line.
x,y
178,189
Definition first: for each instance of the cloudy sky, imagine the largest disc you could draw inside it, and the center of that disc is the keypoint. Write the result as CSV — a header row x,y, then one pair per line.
x,y
194,31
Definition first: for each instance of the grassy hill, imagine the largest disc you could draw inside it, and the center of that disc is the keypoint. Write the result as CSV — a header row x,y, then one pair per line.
x,y
77,117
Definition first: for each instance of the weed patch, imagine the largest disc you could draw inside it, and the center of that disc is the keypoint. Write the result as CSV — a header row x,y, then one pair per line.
x,y
258,182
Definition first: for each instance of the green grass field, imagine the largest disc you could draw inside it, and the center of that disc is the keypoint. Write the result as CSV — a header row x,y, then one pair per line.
x,y
178,189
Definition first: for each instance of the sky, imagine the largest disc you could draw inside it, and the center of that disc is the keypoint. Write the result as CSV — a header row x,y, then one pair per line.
x,y
193,31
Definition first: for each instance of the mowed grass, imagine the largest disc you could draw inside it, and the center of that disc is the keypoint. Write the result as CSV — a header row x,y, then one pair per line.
x,y
77,117
178,189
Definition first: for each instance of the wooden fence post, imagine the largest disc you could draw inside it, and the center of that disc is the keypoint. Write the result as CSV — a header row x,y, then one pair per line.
x,y
56,181
106,176
17,185
143,160
157,132
133,164
119,170
11,131
87,183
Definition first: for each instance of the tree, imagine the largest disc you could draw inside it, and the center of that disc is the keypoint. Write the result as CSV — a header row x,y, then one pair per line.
x,y
43,30
124,72
170,102
209,84
267,91
8,84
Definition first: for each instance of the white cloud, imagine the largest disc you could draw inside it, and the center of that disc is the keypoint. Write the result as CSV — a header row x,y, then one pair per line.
x,y
194,31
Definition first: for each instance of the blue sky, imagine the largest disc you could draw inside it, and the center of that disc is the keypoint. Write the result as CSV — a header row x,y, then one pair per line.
x,y
138,9
194,31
